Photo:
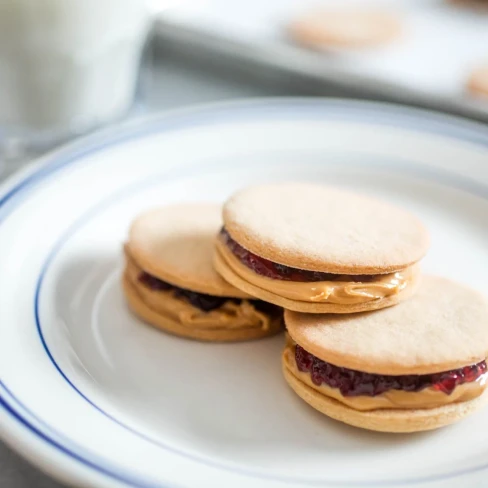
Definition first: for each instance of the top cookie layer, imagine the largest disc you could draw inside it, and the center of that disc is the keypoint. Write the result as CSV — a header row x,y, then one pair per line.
x,y
444,326
176,243
321,228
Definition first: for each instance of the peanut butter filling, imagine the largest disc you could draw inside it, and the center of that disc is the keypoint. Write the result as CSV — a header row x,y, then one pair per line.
x,y
392,399
230,315
337,292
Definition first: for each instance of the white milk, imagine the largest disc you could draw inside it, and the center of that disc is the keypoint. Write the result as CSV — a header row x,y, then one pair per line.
x,y
68,65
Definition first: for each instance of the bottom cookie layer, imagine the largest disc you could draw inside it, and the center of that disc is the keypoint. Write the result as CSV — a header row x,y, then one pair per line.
x,y
142,310
394,421
307,307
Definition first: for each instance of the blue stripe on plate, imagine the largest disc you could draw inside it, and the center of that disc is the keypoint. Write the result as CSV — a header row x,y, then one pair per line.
x,y
65,445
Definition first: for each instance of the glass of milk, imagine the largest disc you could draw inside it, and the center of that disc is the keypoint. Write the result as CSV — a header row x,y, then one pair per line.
x,y
67,66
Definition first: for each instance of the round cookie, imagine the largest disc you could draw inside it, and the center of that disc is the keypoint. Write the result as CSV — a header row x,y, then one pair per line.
x,y
318,249
175,243
478,82
169,280
345,28
417,366
322,228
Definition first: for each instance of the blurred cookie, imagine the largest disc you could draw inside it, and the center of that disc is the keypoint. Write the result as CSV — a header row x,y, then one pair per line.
x,y
169,280
472,4
417,366
318,249
345,28
478,81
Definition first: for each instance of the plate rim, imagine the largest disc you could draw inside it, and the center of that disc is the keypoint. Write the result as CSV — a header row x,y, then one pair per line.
x,y
437,117
22,183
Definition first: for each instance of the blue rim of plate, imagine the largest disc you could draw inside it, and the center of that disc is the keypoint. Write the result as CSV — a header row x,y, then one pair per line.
x,y
326,110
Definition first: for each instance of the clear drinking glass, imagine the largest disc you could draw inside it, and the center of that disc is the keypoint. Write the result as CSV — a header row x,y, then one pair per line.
x,y
66,67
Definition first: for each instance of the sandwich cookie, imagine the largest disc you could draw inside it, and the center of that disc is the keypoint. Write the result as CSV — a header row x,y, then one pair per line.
x,y
417,366
169,280
317,249
345,28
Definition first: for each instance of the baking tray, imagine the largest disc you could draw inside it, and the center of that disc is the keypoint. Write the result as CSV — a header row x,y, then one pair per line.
x,y
427,67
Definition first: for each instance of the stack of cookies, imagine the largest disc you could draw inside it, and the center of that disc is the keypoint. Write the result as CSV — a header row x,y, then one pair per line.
x,y
370,342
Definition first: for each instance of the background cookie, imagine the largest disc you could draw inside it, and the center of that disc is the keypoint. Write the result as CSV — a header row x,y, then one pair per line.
x,y
478,81
345,28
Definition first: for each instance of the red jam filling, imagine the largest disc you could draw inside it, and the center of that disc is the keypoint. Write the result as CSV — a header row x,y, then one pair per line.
x,y
356,383
204,302
276,271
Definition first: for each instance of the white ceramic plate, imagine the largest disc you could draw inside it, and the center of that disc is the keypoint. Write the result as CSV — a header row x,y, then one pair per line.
x,y
96,398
